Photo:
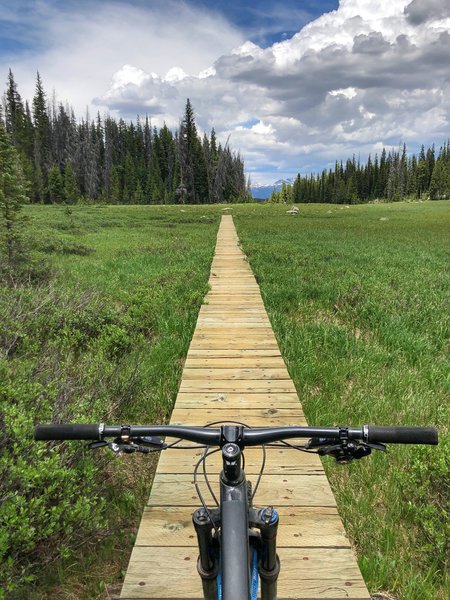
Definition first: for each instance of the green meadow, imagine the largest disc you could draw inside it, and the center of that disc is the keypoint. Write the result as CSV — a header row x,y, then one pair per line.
x,y
100,334
358,299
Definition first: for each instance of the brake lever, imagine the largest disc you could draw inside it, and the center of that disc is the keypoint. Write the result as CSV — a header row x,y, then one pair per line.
x,y
128,448
317,442
151,441
97,445
346,451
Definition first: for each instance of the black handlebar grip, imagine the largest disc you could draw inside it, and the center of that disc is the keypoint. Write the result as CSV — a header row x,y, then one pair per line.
x,y
403,435
65,431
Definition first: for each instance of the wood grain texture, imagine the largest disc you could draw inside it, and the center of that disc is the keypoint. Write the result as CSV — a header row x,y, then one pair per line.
x,y
278,461
303,528
234,372
164,573
279,490
237,401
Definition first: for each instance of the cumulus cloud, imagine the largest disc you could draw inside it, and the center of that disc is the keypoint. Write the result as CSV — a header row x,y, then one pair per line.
x,y
366,74
421,11
79,46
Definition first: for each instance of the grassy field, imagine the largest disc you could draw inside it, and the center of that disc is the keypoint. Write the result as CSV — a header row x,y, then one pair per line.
x,y
102,337
154,261
358,300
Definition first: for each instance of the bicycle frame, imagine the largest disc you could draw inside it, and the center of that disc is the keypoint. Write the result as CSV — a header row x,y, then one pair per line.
x,y
235,516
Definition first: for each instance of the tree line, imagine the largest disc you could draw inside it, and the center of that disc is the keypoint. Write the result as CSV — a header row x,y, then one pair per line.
x,y
393,176
113,161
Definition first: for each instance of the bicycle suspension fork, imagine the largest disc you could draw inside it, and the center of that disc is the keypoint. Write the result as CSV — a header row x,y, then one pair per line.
x,y
207,563
266,520
234,518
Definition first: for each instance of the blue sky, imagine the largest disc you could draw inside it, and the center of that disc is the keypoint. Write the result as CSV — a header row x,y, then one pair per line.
x,y
263,22
294,84
266,22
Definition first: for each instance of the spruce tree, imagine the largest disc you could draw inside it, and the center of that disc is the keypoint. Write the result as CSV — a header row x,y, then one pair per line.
x,y
71,191
440,179
41,140
12,198
115,190
14,114
55,185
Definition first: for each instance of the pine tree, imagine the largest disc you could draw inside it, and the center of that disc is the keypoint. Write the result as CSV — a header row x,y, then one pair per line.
x,y
14,114
12,198
422,176
115,190
155,184
440,179
129,179
71,191
41,140
193,167
138,197
55,185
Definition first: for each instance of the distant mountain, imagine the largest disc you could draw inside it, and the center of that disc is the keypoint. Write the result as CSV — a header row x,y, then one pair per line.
x,y
263,192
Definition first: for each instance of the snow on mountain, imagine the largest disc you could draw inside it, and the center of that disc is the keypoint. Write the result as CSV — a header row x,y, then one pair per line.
x,y
263,191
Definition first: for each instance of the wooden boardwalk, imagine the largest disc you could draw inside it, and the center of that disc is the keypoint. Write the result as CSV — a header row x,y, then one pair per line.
x,y
234,370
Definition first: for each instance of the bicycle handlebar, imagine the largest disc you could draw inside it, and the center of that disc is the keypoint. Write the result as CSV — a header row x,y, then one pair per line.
x,y
212,436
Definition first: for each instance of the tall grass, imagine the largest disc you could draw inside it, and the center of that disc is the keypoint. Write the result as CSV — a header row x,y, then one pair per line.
x,y
102,338
358,298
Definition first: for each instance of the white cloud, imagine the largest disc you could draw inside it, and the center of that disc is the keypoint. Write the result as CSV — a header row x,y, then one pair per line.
x,y
362,74
175,74
263,129
372,72
79,47
349,92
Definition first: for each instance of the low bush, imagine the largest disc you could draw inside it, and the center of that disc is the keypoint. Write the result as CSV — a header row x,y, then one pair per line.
x,y
62,357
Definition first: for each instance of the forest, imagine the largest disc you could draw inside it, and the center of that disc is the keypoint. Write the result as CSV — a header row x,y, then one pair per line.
x,y
116,162
394,176
112,161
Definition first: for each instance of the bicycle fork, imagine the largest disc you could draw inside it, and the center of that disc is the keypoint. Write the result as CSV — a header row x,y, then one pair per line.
x,y
266,521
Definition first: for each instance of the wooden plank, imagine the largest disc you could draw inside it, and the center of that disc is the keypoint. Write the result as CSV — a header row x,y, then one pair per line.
x,y
237,401
278,461
278,490
228,320
223,385
232,299
232,315
235,344
233,353
249,412
299,527
227,285
192,417
221,307
224,312
234,334
236,373
264,362
260,330
307,574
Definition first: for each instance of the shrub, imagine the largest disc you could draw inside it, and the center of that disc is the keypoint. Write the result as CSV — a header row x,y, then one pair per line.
x,y
61,358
